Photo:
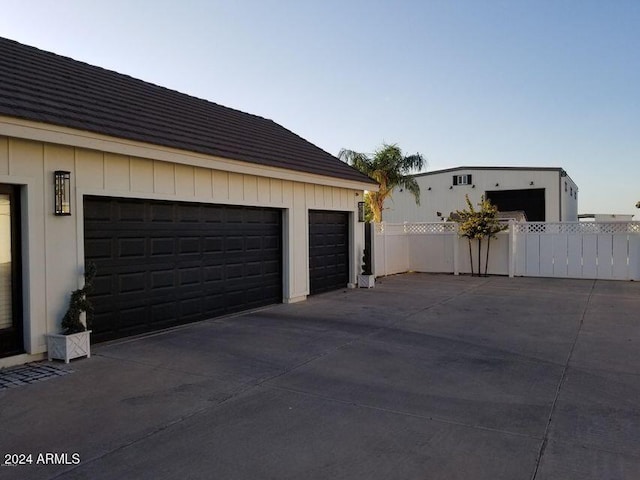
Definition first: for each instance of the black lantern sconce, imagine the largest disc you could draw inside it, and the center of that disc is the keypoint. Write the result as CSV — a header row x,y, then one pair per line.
x,y
62,192
361,211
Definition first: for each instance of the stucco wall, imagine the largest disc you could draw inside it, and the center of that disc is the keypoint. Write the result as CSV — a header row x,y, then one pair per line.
x,y
441,198
53,246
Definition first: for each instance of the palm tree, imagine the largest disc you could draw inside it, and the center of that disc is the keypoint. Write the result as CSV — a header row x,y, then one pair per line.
x,y
390,169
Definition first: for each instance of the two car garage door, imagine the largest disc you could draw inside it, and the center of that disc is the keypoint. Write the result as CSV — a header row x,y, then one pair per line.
x,y
162,264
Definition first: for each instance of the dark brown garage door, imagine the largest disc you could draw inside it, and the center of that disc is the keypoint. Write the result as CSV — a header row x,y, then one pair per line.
x,y
328,250
162,264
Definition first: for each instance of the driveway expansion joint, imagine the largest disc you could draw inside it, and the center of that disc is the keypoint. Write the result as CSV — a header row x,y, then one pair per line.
x,y
545,439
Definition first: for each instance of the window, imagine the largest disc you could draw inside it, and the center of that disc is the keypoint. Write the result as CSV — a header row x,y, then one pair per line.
x,y
462,179
565,186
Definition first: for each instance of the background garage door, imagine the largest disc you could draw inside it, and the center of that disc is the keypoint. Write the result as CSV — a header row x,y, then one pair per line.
x,y
328,250
530,200
162,264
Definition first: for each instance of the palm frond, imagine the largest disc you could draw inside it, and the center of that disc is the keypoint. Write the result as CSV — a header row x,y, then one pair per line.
x,y
415,162
358,160
410,184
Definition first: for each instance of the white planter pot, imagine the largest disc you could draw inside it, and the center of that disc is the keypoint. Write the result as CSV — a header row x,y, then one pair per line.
x,y
366,281
68,347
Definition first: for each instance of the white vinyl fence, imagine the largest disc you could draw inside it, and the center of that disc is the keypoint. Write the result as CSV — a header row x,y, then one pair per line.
x,y
566,250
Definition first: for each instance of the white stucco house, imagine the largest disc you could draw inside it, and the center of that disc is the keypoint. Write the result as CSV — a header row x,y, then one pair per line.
x,y
189,209
543,194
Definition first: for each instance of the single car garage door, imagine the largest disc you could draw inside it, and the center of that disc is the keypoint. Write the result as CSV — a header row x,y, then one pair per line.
x,y
328,250
162,264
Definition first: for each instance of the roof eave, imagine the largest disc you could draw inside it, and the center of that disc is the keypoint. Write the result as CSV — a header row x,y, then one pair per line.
x,y
49,133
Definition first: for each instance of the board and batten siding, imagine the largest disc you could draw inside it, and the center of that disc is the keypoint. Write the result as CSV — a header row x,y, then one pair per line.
x,y
53,247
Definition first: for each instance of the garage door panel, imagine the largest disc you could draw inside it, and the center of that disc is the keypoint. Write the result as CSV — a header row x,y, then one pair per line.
x,y
132,283
188,245
270,292
211,214
131,212
164,312
213,273
100,212
173,263
162,247
213,244
132,316
161,212
162,279
234,216
132,247
188,213
189,276
271,268
214,303
253,269
99,248
190,307
271,243
236,300
234,244
102,286
253,243
103,321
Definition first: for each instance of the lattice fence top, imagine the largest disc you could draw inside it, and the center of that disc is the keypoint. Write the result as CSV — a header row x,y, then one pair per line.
x,y
439,227
416,228
577,227
519,227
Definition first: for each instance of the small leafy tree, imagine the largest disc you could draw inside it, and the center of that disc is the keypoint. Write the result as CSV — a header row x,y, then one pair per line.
x,y
391,169
478,224
79,303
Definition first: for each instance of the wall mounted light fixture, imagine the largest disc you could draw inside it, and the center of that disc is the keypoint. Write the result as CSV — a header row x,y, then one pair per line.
x,y
62,192
531,183
360,211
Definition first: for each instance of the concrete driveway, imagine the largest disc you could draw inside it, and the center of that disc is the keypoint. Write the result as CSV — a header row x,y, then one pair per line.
x,y
423,377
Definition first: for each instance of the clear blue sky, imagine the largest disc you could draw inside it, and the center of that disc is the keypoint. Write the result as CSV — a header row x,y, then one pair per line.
x,y
479,82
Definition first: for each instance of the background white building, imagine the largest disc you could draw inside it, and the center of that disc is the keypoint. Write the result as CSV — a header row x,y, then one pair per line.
x,y
543,194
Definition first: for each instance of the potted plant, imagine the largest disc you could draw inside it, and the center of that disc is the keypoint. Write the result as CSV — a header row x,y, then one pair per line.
x,y
73,342
366,279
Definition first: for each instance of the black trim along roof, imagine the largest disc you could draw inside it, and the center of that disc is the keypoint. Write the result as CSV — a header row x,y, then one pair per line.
x,y
44,87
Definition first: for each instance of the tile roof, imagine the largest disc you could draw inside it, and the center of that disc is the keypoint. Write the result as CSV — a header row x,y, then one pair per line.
x,y
45,87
